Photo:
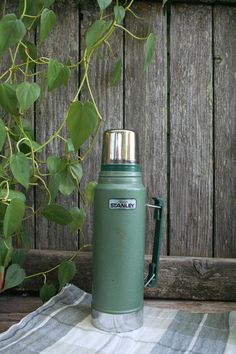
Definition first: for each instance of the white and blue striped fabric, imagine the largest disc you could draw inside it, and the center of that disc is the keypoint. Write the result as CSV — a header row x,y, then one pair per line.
x,y
63,326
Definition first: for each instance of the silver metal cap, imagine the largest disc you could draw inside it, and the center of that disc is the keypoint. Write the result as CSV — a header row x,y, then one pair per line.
x,y
120,146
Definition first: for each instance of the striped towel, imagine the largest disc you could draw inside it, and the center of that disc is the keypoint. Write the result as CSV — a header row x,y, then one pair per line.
x,y
63,326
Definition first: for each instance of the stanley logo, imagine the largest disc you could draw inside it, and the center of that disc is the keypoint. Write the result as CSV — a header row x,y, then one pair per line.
x,y
126,204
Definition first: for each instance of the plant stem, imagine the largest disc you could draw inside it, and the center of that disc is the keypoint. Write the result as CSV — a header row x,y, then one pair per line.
x,y
24,9
131,34
93,142
58,265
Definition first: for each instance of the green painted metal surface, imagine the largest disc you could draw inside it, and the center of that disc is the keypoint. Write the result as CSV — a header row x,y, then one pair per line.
x,y
118,242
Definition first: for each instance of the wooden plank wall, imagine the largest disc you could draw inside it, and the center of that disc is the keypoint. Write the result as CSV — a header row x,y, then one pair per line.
x,y
183,108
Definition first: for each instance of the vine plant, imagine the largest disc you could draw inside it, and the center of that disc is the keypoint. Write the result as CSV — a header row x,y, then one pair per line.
x,y
21,168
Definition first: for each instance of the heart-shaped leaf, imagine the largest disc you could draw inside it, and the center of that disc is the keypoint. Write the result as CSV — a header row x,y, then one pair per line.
x,y
11,194
58,74
3,134
12,31
116,76
58,214
149,50
47,22
103,4
67,183
2,269
8,99
19,256
82,119
119,13
96,31
27,93
54,186
20,169
13,216
47,291
78,216
55,164
66,272
89,191
76,171
14,276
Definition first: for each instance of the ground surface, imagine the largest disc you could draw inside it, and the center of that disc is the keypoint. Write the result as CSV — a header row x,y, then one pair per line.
x,y
14,307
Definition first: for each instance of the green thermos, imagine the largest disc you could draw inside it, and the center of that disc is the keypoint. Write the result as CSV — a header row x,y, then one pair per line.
x,y
119,235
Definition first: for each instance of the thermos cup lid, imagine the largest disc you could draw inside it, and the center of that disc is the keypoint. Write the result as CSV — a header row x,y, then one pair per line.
x,y
120,146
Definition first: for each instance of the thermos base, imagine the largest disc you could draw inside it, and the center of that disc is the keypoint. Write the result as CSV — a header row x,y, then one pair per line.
x,y
117,323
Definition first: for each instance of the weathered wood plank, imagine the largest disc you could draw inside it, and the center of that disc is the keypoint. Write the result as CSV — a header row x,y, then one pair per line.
x,y
145,106
195,278
108,98
225,131
191,167
62,44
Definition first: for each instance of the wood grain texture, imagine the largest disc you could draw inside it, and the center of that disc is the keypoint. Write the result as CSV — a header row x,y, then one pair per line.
x,y
225,131
63,43
30,303
191,167
145,105
193,278
109,100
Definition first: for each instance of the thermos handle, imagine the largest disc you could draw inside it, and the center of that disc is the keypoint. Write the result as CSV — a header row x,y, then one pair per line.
x,y
151,280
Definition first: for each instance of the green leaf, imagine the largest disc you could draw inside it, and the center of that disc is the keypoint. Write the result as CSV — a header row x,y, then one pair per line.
x,y
47,22
2,270
6,251
32,51
47,291
13,216
116,76
8,99
76,171
14,276
20,169
66,272
19,256
119,13
55,164
57,213
78,216
25,146
67,183
96,31
103,4
69,147
27,128
3,134
48,3
27,93
82,119
58,74
149,50
25,239
54,186
12,31
11,194
33,8
89,191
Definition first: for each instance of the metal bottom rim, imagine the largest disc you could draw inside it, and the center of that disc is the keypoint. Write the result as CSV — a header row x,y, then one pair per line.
x,y
117,323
